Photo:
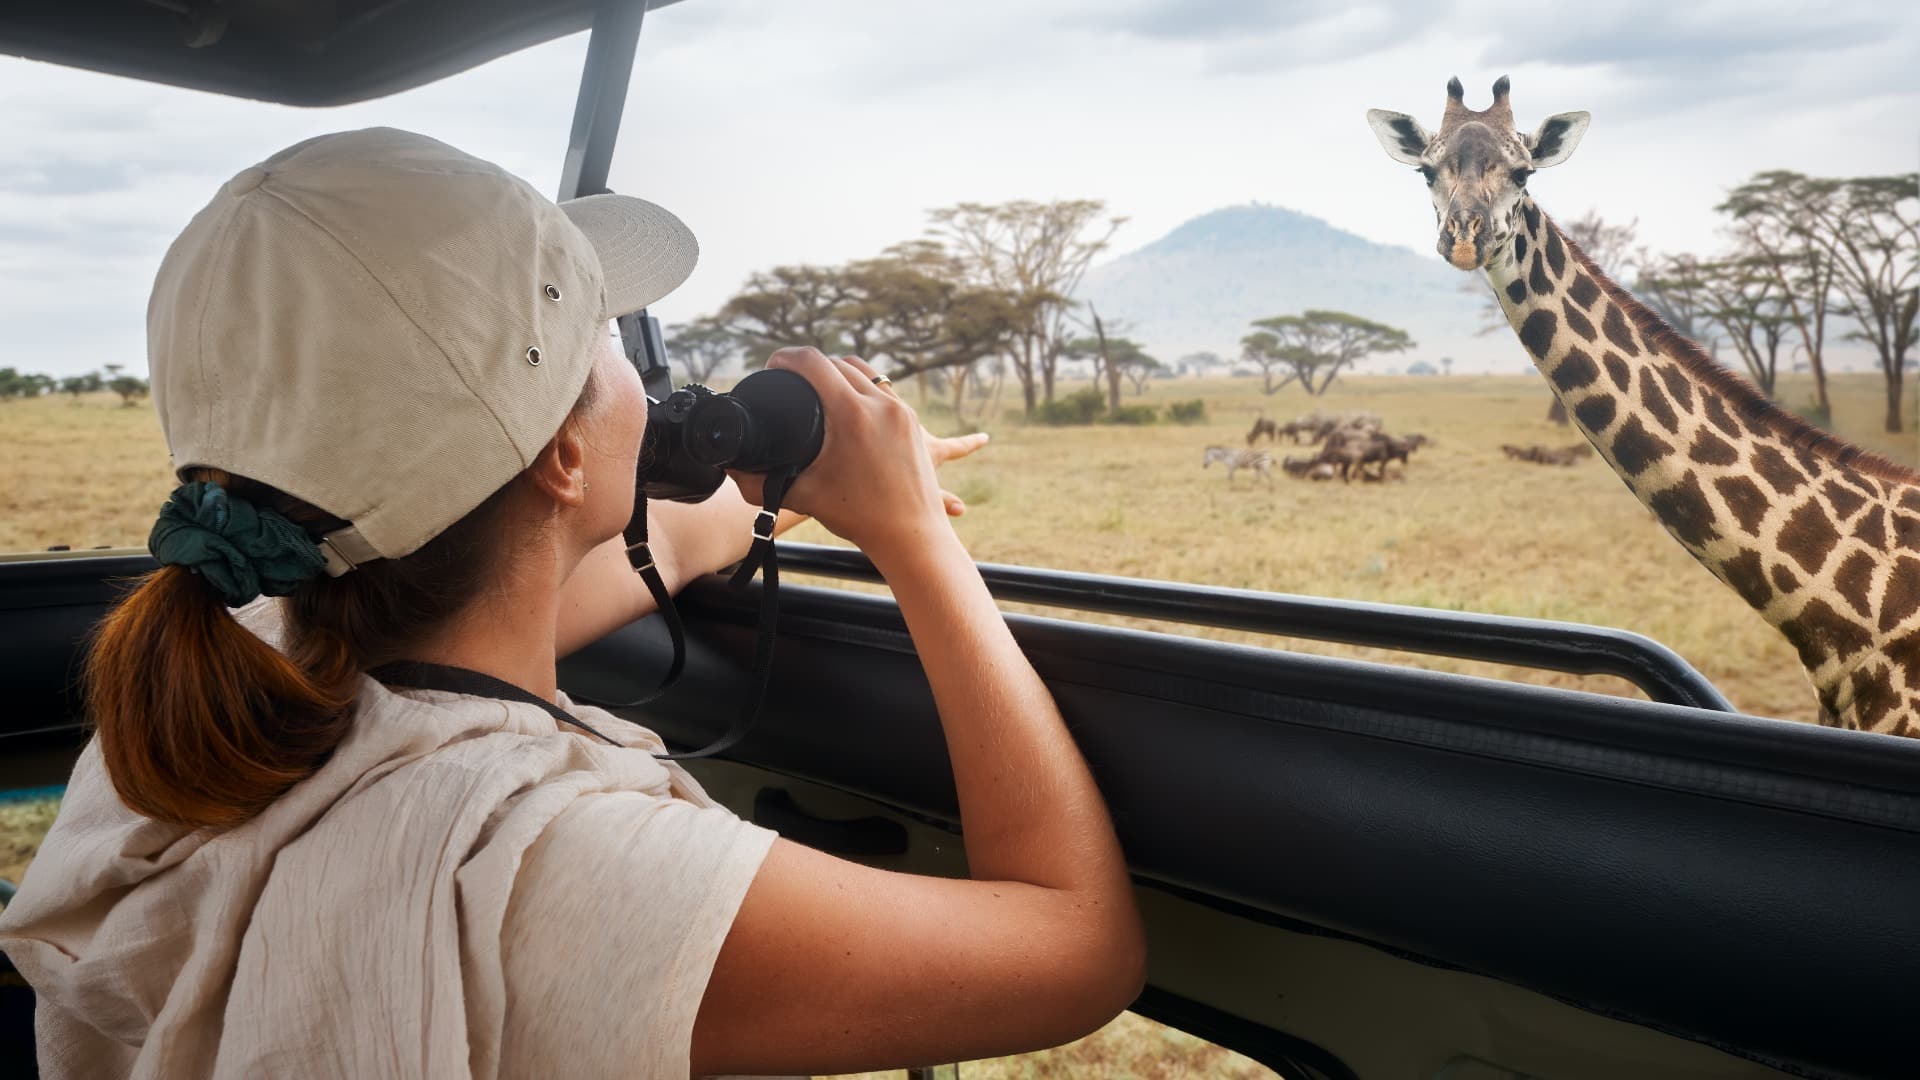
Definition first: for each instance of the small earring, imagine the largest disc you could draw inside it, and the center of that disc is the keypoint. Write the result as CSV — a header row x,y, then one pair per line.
x,y
586,486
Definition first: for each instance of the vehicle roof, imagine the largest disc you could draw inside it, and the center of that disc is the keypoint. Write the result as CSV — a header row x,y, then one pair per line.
x,y
296,52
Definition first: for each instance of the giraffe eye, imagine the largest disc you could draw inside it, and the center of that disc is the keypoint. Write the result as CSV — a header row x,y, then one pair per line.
x,y
1430,173
1520,177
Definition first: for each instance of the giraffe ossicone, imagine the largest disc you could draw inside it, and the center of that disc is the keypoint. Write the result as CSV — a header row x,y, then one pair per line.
x,y
1817,535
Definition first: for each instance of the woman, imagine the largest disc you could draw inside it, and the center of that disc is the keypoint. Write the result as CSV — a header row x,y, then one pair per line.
x,y
385,381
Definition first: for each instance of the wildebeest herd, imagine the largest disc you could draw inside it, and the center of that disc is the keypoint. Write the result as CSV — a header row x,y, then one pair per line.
x,y
1350,444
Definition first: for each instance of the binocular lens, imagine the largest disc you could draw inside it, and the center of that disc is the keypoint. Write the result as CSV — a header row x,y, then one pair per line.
x,y
719,428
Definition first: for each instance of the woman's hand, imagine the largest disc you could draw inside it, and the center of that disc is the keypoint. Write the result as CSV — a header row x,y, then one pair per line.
x,y
942,450
873,481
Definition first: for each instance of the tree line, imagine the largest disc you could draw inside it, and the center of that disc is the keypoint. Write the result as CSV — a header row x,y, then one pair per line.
x,y
1809,260
985,293
17,384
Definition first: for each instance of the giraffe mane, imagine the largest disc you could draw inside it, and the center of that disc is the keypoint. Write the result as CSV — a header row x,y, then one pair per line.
x,y
1741,394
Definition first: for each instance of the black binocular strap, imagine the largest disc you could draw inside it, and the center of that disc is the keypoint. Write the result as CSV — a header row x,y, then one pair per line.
x,y
459,680
640,554
760,556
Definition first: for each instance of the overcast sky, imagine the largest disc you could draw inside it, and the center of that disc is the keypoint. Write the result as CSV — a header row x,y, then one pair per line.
x,y
821,130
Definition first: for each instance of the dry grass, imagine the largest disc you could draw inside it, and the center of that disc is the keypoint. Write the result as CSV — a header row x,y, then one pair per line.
x,y
22,825
1132,1047
85,473
1466,530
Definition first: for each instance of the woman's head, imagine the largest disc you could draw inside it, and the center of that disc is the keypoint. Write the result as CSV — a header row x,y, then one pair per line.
x,y
386,363
390,329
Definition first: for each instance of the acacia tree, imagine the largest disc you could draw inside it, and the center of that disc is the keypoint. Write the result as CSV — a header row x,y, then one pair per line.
x,y
1675,287
1777,216
1319,345
15,384
788,305
897,303
978,325
910,309
82,384
1742,296
1263,350
1874,238
703,345
1136,364
926,319
1115,358
1035,254
129,387
1202,363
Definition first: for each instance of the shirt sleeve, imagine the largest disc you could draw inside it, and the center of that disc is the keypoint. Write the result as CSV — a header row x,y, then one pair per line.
x,y
616,918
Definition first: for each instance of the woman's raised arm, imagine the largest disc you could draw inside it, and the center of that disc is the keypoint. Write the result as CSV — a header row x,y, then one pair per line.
x,y
831,966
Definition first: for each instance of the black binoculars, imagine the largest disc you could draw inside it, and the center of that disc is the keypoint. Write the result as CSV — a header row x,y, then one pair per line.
x,y
770,420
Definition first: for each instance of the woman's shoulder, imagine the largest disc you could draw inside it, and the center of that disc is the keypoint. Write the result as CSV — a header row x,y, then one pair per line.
x,y
394,726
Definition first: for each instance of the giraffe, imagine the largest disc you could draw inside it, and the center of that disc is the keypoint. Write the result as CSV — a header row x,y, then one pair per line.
x,y
1817,535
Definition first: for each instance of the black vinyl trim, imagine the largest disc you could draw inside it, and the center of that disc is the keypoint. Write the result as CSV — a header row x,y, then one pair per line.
x,y
1545,644
294,53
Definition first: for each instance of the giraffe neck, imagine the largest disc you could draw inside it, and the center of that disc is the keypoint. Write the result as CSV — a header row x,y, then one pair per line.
x,y
1819,538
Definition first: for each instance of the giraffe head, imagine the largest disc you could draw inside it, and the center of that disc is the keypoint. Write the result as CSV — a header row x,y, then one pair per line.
x,y
1476,166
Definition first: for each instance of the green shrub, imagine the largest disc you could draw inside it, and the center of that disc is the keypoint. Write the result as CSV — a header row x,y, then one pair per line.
x,y
1079,407
1133,415
1187,412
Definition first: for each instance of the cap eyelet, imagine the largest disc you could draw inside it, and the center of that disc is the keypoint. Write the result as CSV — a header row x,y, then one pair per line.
x,y
553,292
533,355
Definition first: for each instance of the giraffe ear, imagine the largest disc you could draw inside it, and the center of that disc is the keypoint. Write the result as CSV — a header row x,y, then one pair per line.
x,y
1557,137
1402,136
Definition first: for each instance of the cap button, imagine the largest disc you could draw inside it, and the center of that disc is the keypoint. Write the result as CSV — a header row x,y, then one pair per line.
x,y
246,180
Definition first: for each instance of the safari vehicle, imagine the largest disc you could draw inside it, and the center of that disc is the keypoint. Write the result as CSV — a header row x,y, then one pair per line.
x,y
1347,869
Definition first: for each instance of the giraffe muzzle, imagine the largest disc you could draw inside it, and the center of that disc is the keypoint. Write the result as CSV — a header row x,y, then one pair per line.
x,y
1460,240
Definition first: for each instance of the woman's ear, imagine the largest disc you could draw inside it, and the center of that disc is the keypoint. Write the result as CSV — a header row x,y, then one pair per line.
x,y
560,470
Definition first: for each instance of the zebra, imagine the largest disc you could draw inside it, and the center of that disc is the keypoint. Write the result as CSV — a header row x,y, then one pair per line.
x,y
1259,461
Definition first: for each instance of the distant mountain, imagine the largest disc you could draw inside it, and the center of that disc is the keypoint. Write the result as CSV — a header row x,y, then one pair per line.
x,y
1200,285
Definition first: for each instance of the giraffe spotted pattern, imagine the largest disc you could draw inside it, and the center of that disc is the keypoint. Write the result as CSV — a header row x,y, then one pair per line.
x,y
1822,539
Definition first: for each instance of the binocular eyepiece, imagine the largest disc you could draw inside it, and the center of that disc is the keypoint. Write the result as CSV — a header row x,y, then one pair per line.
x,y
770,420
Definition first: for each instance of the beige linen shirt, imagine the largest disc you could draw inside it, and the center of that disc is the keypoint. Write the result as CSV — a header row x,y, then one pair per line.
x,y
463,889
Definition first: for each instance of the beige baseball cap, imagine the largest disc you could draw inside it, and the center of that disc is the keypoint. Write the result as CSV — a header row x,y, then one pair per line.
x,y
391,329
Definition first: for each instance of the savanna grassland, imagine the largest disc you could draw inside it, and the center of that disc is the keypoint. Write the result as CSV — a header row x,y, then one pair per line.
x,y
1465,529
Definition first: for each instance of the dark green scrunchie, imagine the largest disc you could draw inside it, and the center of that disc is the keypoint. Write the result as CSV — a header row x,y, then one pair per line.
x,y
242,550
